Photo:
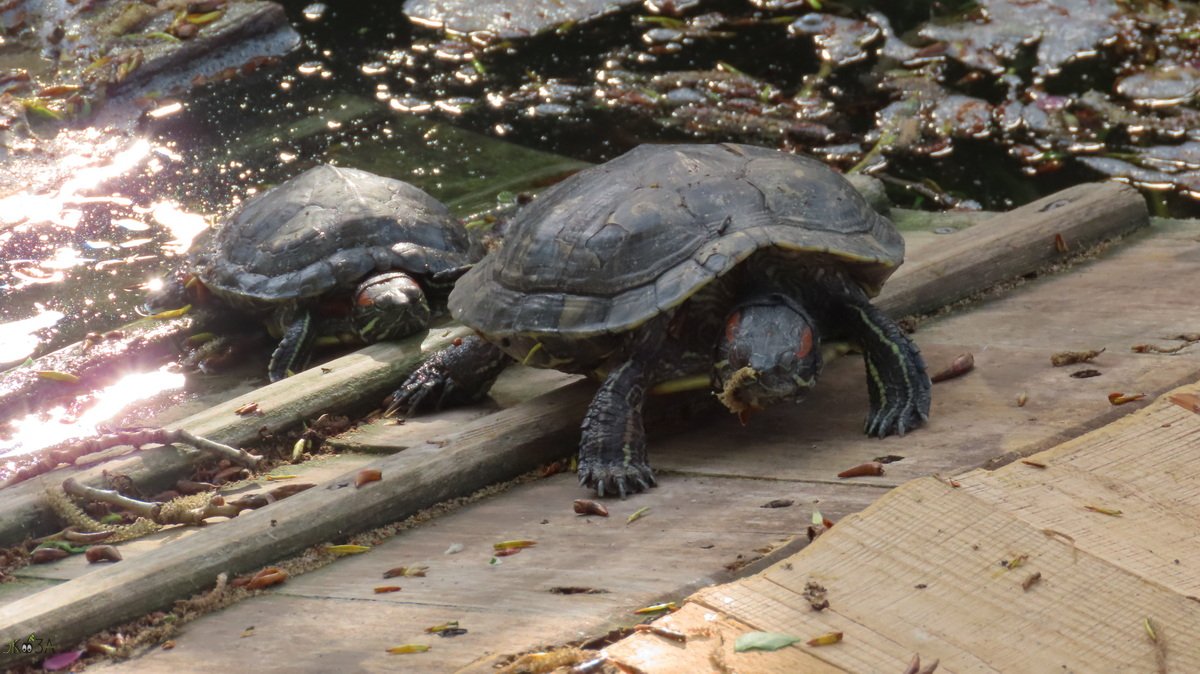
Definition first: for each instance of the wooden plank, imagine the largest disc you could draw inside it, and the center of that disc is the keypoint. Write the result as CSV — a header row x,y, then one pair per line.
x,y
1143,465
919,572
1012,244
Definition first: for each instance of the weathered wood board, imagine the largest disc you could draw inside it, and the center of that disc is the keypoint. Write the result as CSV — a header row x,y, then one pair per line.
x,y
928,569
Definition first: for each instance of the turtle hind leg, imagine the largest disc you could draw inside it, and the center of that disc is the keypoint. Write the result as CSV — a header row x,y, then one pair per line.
x,y
456,375
295,347
900,390
612,449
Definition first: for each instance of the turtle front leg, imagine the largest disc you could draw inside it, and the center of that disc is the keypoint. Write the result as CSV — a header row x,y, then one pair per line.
x,y
295,347
612,450
899,387
456,375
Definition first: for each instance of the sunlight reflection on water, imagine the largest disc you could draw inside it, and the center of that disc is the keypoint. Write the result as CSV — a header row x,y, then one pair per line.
x,y
40,430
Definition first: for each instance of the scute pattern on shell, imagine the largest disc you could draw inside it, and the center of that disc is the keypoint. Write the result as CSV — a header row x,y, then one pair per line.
x,y
327,229
615,245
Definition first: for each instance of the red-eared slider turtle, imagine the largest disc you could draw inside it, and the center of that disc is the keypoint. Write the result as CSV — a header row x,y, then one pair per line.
x,y
673,261
380,248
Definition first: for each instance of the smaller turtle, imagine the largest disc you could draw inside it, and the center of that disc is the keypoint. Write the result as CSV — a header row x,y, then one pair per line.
x,y
677,265
365,255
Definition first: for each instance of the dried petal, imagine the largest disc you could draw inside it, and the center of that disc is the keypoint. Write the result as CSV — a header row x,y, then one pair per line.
x,y
585,507
863,470
47,555
1122,398
406,571
962,364
248,409
384,589
367,475
272,575
102,553
1031,580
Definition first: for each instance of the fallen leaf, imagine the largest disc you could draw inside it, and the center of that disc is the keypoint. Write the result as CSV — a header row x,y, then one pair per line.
x,y
518,544
384,589
763,641
55,375
1112,512
347,549
637,515
408,648
826,639
657,608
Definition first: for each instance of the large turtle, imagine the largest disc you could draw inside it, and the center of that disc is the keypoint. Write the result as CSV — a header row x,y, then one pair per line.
x,y
374,250
726,261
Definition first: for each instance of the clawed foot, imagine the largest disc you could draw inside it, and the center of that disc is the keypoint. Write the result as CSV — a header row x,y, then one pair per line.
x,y
607,479
427,388
456,375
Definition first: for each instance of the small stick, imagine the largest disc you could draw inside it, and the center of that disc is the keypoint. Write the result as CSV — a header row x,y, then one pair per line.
x,y
142,508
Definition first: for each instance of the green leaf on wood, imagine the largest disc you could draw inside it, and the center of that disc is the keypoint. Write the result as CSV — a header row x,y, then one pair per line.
x,y
763,641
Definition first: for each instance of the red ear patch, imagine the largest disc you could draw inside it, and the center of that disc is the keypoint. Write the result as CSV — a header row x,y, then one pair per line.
x,y
806,342
731,325
363,300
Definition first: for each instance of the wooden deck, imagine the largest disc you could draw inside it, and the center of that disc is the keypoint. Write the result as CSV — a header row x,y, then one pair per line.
x,y
705,524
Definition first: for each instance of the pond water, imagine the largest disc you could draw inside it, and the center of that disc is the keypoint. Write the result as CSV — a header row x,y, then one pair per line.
x,y
989,117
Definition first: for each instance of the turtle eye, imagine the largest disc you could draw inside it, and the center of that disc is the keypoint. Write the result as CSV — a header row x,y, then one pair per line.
x,y
806,342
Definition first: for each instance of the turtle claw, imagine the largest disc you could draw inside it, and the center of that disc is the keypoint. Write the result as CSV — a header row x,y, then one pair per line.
x,y
621,481
458,374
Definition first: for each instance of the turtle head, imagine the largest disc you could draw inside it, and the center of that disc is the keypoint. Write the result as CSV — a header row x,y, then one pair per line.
x,y
389,306
173,292
769,352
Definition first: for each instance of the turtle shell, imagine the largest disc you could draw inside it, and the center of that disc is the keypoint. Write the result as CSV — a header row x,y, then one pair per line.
x,y
615,245
326,229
